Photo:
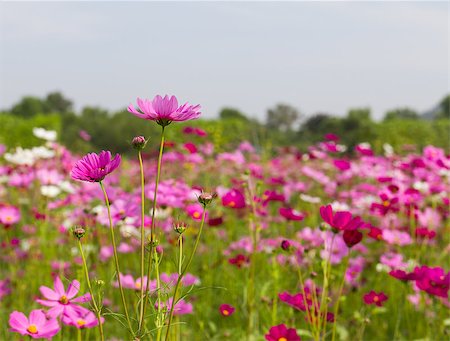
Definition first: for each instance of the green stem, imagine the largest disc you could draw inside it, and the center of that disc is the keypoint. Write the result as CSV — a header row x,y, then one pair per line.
x,y
152,227
180,277
324,296
141,312
116,258
336,308
96,306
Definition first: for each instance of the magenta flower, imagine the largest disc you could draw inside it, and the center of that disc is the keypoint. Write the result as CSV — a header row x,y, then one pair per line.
x,y
291,214
233,199
374,298
226,309
341,220
432,280
62,301
164,110
282,333
94,168
37,326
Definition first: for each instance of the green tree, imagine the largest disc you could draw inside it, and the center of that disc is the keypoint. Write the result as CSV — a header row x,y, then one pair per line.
x,y
56,102
231,113
282,117
401,113
29,106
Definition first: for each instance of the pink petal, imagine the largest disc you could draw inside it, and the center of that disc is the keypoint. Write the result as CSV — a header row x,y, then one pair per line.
x,y
49,293
59,287
73,289
18,321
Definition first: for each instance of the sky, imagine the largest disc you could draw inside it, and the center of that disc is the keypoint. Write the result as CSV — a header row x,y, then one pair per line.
x,y
316,56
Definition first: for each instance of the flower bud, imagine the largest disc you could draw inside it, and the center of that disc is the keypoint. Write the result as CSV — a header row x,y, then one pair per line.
x,y
180,227
286,245
139,142
99,282
78,232
206,198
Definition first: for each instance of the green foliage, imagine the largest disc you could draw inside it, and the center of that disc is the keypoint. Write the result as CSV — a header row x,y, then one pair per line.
x,y
401,113
18,131
114,131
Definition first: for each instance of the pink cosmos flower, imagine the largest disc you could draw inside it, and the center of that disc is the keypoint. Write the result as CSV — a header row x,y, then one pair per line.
x,y
281,332
94,168
396,237
81,320
374,298
9,215
62,301
341,220
432,280
164,110
37,326
226,309
4,288
181,307
233,199
291,214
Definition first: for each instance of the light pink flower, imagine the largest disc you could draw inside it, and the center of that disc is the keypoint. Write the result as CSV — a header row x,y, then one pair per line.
x,y
61,301
37,326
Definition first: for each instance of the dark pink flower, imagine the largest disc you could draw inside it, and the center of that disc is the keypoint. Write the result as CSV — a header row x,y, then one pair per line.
x,y
94,168
341,220
226,309
239,260
352,237
402,275
291,214
61,301
374,298
282,333
432,280
37,326
233,199
164,110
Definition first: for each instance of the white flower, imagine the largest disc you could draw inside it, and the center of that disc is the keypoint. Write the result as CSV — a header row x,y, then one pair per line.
x,y
42,153
21,157
50,191
388,149
47,135
338,206
341,148
310,199
66,186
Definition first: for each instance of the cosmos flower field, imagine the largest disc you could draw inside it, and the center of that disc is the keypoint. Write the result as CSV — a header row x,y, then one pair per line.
x,y
185,242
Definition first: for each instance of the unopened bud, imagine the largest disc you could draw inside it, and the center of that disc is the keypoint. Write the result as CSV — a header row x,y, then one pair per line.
x,y
206,198
78,232
99,282
180,227
286,245
139,142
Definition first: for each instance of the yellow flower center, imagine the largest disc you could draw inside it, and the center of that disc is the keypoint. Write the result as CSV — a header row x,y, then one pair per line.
x,y
8,218
385,203
32,329
137,284
231,204
196,215
282,339
376,299
63,300
81,323
226,312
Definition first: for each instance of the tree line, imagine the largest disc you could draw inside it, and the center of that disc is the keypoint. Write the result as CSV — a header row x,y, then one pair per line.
x,y
284,125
